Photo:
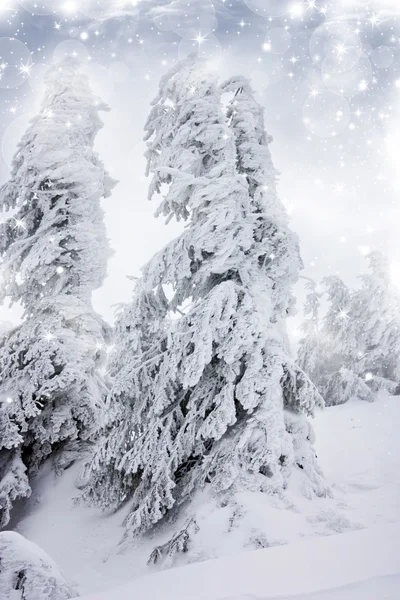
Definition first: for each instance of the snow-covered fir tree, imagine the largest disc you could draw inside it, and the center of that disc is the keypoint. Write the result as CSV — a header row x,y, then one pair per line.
x,y
311,350
356,350
329,355
216,401
54,253
376,310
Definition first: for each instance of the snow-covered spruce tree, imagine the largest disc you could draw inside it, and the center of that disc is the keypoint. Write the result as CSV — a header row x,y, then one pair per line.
x,y
363,330
376,310
334,365
221,405
54,252
28,573
312,350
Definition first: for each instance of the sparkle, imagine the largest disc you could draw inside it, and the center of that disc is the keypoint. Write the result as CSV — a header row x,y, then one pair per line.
x,y
25,69
19,224
341,49
60,270
343,314
49,336
199,39
374,20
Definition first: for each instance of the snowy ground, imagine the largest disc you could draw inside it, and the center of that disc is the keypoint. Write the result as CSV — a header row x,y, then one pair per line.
x,y
358,447
362,565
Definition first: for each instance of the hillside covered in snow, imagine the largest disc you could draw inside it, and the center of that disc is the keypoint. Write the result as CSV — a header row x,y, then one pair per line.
x,y
351,540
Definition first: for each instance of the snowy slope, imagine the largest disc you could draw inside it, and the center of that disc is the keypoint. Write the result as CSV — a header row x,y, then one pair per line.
x,y
358,447
362,564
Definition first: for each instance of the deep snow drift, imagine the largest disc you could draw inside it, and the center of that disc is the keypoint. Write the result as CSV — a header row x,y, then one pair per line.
x,y
358,448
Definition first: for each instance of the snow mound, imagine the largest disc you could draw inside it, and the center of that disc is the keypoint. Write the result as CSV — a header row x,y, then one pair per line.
x,y
27,573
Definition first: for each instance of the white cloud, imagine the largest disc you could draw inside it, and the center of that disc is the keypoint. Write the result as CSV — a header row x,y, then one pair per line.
x,y
383,8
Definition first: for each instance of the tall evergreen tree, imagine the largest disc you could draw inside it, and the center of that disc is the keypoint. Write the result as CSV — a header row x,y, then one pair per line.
x,y
54,252
223,405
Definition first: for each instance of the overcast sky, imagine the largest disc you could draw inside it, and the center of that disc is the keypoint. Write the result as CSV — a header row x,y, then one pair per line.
x,y
327,72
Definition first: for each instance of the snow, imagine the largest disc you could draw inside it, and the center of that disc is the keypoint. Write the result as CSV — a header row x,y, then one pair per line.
x,y
362,558
358,449
37,575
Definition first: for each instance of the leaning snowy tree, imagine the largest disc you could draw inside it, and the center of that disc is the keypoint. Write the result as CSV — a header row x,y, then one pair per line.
x,y
222,406
54,252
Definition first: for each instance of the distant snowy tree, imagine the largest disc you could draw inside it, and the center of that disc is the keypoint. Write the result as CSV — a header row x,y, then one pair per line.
x,y
376,309
344,384
337,379
54,252
341,358
339,329
28,573
221,402
312,349
342,342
